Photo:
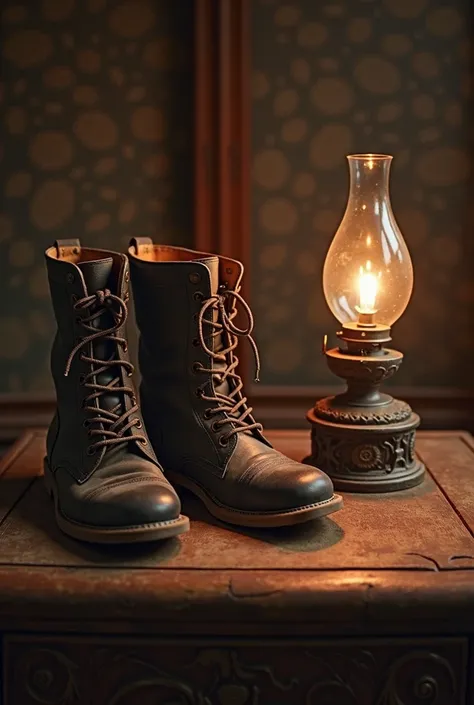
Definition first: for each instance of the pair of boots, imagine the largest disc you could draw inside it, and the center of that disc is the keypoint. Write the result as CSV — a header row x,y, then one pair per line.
x,y
109,464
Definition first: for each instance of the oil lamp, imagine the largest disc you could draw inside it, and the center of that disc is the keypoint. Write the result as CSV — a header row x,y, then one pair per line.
x,y
363,438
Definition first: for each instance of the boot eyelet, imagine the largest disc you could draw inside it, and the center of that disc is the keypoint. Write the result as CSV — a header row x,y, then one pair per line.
x,y
207,414
74,299
90,451
215,426
78,320
199,392
223,441
125,347
197,367
127,275
139,424
85,423
143,441
82,379
198,296
196,342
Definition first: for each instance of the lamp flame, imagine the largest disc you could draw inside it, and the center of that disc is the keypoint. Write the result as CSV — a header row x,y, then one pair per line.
x,y
367,289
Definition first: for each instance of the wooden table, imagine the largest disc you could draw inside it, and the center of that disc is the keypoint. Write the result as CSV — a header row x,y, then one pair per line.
x,y
371,606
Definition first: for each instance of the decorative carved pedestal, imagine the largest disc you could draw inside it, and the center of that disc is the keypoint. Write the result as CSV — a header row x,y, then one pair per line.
x,y
365,439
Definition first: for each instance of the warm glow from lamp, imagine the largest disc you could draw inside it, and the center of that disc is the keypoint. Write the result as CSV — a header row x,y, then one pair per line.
x,y
368,274
367,289
367,284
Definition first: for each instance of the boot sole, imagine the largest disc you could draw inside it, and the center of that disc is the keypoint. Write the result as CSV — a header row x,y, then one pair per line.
x,y
124,534
287,517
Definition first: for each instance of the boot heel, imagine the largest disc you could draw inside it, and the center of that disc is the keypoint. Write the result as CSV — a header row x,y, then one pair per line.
x,y
47,478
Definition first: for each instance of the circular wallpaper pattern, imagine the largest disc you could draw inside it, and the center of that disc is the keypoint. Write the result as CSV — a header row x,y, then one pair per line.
x,y
98,146
147,124
377,75
330,145
271,169
51,150
58,77
332,96
278,216
52,204
132,19
96,130
336,78
27,48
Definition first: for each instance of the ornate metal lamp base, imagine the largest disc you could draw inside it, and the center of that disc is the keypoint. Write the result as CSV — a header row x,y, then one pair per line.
x,y
364,450
363,439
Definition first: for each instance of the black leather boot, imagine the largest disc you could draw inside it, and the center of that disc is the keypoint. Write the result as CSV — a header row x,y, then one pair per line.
x,y
100,467
195,411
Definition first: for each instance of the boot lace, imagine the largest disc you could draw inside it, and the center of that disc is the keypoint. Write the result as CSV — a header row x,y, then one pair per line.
x,y
234,404
114,424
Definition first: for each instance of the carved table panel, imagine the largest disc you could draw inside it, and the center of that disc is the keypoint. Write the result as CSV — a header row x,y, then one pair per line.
x,y
71,672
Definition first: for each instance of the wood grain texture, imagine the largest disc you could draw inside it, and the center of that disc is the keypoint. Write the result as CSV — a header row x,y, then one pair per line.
x,y
420,530
383,562
452,461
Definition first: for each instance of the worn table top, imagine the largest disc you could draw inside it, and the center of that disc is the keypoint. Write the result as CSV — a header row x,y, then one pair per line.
x,y
384,560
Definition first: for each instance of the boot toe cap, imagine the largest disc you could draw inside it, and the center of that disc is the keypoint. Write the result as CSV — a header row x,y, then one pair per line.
x,y
296,485
309,485
149,504
129,504
272,482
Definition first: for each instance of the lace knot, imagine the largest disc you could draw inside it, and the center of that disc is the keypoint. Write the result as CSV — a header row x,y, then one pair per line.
x,y
101,296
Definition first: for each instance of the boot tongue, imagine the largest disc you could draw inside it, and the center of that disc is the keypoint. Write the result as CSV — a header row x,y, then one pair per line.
x,y
97,277
218,343
97,274
212,263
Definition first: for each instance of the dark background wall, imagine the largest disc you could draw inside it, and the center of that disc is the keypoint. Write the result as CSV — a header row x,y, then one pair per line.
x,y
97,128
97,143
337,77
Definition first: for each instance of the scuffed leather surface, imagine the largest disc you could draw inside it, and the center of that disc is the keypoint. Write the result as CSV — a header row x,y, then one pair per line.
x,y
123,485
247,474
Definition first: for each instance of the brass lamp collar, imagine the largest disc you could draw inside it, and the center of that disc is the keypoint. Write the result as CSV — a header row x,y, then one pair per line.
x,y
364,339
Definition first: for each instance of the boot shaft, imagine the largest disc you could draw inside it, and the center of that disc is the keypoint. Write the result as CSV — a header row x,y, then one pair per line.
x,y
185,303
75,272
170,285
90,365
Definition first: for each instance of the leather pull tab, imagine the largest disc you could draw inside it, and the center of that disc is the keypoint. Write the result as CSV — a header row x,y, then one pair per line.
x,y
143,246
68,249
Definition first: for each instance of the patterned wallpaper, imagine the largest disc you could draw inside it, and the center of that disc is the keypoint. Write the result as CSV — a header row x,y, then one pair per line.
x,y
343,76
97,144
